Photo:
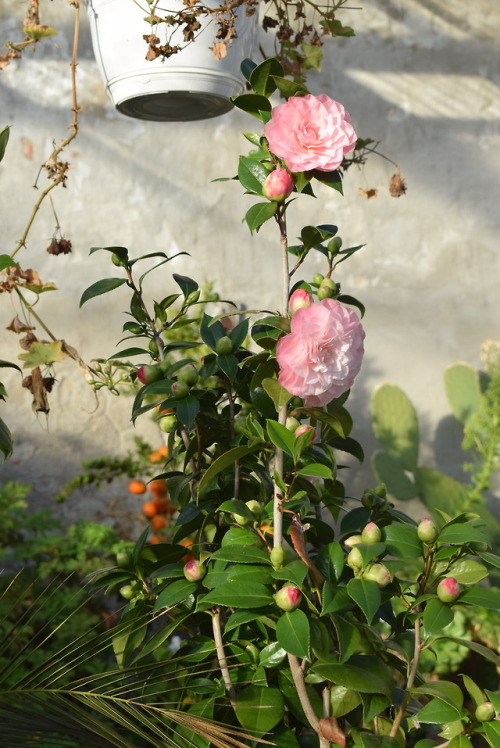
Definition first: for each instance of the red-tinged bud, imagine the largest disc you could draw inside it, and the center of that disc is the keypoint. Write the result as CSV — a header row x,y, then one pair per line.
x,y
194,570
427,531
355,558
371,534
378,573
353,540
485,712
180,389
148,374
304,429
448,590
300,299
288,598
278,185
277,557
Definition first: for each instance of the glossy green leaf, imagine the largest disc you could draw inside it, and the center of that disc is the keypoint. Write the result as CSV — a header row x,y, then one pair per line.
x,y
461,534
187,409
468,571
473,690
241,554
295,571
492,733
485,597
343,700
373,704
316,470
6,261
259,709
437,615
289,88
221,463
366,594
235,506
261,77
437,711
272,655
293,633
281,437
252,103
402,541
485,652
330,561
187,285
244,573
252,174
276,392
6,440
259,214
101,287
331,179
490,558
235,595
352,676
130,352
460,741
442,689
228,365
239,618
174,594
349,637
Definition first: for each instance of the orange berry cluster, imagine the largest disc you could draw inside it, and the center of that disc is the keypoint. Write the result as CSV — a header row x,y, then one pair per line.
x,y
157,509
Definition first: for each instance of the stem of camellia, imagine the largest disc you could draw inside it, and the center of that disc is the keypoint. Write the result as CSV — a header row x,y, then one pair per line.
x,y
278,460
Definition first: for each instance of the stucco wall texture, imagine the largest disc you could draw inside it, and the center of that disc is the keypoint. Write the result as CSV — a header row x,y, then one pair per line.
x,y
420,75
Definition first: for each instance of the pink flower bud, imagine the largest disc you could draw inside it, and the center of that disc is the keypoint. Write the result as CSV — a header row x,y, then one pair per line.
x,y
288,598
300,299
148,374
303,430
448,590
194,570
379,574
278,185
371,534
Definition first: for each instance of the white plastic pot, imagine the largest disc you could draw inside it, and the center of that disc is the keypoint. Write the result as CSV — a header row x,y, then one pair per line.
x,y
190,85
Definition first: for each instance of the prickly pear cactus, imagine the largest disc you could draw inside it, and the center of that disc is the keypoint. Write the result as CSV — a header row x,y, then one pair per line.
x,y
395,425
463,390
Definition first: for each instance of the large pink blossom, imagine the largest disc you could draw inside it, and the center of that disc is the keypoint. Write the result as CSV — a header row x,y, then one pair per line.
x,y
310,132
322,354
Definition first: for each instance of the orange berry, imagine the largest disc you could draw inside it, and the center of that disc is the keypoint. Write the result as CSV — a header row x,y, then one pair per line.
x,y
137,486
155,540
187,557
163,451
267,529
158,487
155,457
158,522
186,542
173,509
165,411
161,504
149,508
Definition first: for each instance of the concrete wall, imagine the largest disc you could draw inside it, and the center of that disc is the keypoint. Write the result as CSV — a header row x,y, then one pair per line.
x,y
420,76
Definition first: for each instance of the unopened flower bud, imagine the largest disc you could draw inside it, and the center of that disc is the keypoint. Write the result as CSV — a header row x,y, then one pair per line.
x,y
255,507
378,573
353,540
485,712
427,531
300,299
355,558
371,533
193,297
288,597
304,429
292,424
277,556
448,590
187,374
194,570
148,374
278,185
326,289
224,346
167,424
180,389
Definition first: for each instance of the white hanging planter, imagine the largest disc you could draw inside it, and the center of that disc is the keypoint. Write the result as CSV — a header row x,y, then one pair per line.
x,y
190,85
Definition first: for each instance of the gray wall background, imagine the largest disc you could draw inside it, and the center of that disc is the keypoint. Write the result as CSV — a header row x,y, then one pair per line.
x,y
421,76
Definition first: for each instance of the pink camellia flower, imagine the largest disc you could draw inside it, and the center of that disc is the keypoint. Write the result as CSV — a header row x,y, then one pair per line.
x,y
278,185
194,570
300,299
303,430
448,590
321,356
310,132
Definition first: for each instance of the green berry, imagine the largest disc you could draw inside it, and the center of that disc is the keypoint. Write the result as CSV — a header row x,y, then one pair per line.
x,y
122,559
127,591
485,712
224,346
167,424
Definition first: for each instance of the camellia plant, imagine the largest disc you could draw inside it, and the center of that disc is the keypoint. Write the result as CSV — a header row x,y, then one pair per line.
x,y
306,613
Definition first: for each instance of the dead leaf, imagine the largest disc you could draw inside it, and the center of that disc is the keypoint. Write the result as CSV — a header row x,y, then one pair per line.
x,y
397,186
219,49
17,326
330,730
35,384
42,354
370,193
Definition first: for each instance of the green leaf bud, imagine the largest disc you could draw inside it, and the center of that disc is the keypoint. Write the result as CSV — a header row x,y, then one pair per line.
x,y
224,345
277,557
188,374
253,651
153,347
122,559
485,712
317,279
427,531
193,297
355,558
117,260
127,591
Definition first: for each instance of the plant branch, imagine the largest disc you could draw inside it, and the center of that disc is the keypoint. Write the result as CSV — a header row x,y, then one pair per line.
x,y
298,679
221,656
410,682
